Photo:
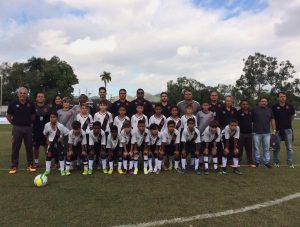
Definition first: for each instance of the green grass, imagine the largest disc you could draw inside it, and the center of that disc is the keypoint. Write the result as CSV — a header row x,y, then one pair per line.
x,y
102,200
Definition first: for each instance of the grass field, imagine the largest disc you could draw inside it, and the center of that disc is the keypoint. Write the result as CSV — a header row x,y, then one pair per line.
x,y
102,200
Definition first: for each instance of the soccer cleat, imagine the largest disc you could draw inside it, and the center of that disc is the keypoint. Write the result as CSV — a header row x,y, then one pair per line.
x,y
135,172
110,171
63,173
252,165
30,168
224,170
150,170
155,170
170,168
292,166
217,171
68,173
85,172
256,165
183,172
197,172
36,165
105,171
177,170
158,171
90,172
236,171
206,171
164,167
145,171
13,170
276,165
46,173
120,171
268,166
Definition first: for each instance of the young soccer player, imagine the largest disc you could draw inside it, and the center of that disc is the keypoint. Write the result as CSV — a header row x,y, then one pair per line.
x,y
126,136
85,119
139,116
204,116
211,142
76,147
155,138
230,137
170,146
158,118
97,144
175,117
55,132
66,116
114,149
190,145
140,140
104,117
121,118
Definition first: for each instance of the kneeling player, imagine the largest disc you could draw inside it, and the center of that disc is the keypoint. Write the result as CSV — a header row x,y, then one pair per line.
x,y
230,137
76,147
140,140
97,143
211,144
190,145
126,136
154,146
55,132
113,146
170,146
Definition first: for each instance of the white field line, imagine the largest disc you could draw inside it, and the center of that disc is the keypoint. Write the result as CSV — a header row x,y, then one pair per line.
x,y
215,215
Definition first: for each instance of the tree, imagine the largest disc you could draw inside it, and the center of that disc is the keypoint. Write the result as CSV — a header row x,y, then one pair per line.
x,y
39,74
105,77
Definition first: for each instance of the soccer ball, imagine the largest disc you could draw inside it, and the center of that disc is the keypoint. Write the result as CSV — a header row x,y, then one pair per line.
x,y
40,180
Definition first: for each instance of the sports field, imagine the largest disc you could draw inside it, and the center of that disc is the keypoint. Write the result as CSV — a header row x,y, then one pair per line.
x,y
102,200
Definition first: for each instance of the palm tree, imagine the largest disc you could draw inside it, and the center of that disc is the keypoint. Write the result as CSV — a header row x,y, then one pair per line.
x,y
105,77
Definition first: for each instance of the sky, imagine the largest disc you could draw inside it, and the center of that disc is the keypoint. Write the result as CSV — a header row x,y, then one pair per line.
x,y
146,43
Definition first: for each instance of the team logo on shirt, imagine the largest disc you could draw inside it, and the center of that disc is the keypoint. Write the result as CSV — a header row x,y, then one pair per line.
x,y
243,114
278,107
17,105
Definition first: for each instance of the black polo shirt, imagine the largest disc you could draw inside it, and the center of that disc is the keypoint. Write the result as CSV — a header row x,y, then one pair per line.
x,y
283,115
215,109
148,108
21,113
166,110
42,116
224,116
116,105
261,119
245,121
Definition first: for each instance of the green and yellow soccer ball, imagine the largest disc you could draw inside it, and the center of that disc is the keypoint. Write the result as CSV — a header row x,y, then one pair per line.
x,y
40,180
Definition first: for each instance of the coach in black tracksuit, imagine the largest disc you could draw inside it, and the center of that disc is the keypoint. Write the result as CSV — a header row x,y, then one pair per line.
x,y
148,108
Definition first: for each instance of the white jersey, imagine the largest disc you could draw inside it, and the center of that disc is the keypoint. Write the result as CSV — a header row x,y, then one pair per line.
x,y
173,138
77,139
161,122
97,139
135,119
155,140
104,117
119,122
112,143
209,137
139,138
58,131
228,134
178,123
125,138
188,136
184,120
85,121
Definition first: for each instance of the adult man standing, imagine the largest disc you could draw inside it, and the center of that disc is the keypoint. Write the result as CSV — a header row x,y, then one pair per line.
x,y
188,100
262,117
121,102
284,114
166,106
148,108
226,112
20,114
42,115
214,105
102,97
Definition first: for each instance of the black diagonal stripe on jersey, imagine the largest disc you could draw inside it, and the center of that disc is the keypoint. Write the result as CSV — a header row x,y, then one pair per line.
x,y
105,121
178,124
161,124
86,124
173,139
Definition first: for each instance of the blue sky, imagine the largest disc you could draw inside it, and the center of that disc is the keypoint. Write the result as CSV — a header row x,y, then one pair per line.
x,y
148,43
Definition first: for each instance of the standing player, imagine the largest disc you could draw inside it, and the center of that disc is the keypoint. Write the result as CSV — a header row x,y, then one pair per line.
x,y
55,132
155,138
66,116
175,117
139,116
157,118
204,116
104,117
126,136
190,145
120,118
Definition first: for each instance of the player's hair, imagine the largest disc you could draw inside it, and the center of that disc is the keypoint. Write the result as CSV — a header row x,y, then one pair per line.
x,y
233,120
53,113
153,126
187,90
97,124
102,88
102,102
122,89
189,106
163,93
40,92
171,122
114,128
243,100
126,124
191,120
263,97
228,96
66,99
140,90
213,91
84,105
205,102
83,96
157,105
214,124
174,107
76,125
281,92
141,122
121,107
139,104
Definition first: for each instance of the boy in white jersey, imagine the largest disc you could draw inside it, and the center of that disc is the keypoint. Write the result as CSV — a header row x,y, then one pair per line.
x,y
96,144
170,146
230,138
158,119
104,117
76,147
175,117
114,149
55,132
121,118
138,116
211,143
126,135
139,142
190,145
155,138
